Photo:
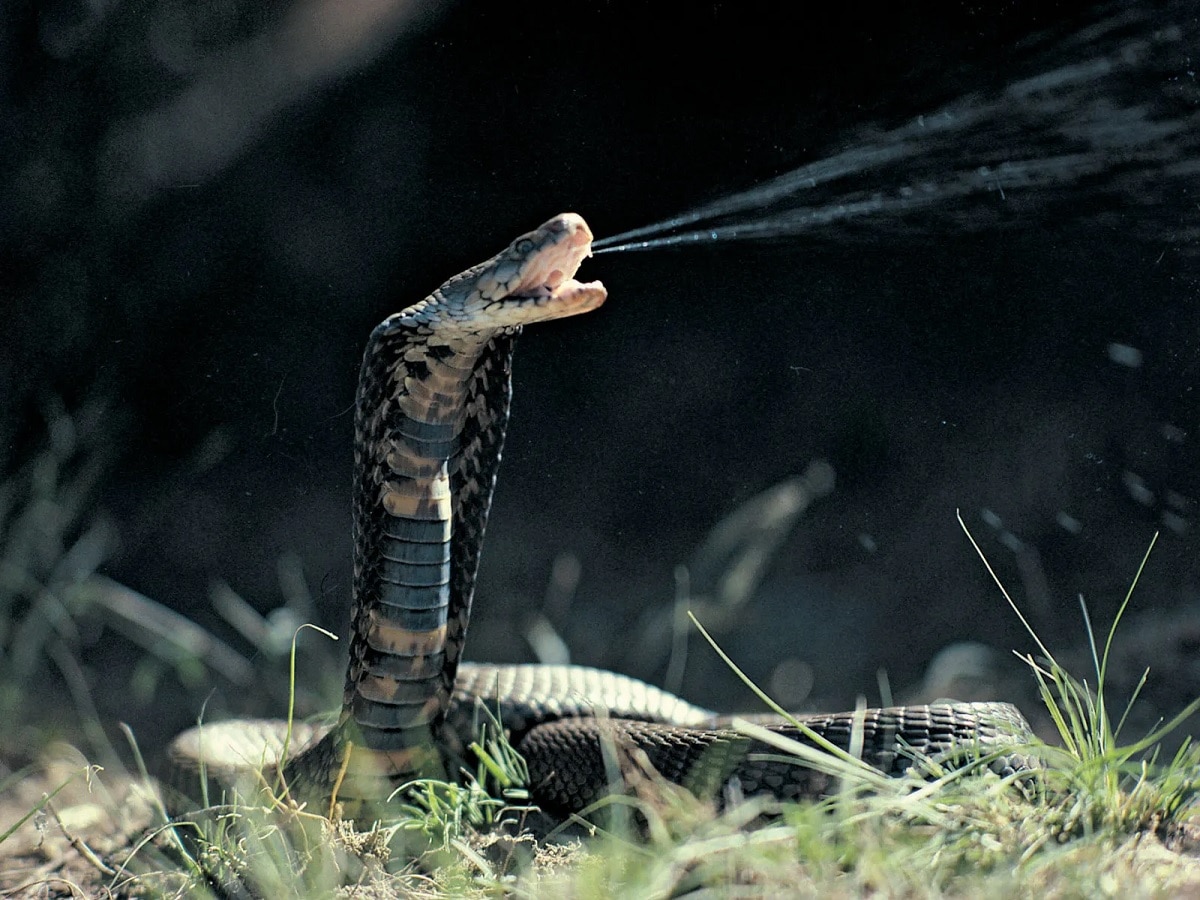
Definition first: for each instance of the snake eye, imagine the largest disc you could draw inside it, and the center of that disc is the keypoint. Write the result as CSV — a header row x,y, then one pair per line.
x,y
524,246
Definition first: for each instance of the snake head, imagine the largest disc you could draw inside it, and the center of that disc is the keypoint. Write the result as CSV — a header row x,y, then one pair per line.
x,y
531,280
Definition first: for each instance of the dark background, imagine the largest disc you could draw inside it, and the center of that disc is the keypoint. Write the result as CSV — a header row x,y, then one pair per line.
x,y
205,207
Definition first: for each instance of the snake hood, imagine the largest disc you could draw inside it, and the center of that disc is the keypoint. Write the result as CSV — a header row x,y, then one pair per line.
x,y
531,280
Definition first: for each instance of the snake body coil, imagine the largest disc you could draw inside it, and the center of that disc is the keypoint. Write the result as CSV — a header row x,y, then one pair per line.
x,y
430,418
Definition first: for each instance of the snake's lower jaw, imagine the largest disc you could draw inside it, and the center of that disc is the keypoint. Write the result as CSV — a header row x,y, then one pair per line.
x,y
572,298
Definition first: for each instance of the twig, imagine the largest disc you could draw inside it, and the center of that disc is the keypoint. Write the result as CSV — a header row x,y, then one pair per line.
x,y
80,847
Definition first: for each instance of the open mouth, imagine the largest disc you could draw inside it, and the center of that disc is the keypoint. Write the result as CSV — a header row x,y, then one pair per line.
x,y
547,288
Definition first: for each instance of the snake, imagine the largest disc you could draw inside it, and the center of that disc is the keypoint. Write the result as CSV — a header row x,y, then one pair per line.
x,y
431,412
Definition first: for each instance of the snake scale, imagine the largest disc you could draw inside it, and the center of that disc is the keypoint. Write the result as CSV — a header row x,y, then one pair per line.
x,y
430,418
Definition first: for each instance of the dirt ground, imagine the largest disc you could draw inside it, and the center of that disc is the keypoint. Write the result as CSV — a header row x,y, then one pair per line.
x,y
97,838
74,844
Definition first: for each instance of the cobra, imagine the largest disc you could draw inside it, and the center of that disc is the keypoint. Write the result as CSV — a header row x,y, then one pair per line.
x,y
431,413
